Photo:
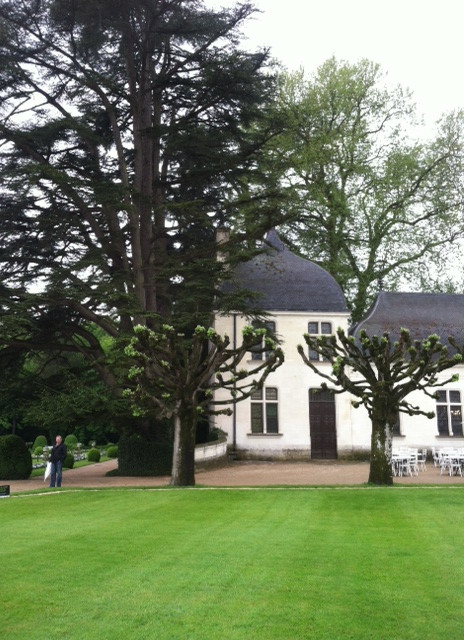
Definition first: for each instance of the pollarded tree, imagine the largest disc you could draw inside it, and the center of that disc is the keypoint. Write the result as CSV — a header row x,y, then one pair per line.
x,y
175,377
370,202
381,375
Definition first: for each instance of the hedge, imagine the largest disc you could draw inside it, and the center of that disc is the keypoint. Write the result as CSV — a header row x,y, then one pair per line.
x,y
139,457
15,458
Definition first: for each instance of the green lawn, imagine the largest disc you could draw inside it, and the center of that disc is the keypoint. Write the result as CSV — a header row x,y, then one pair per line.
x,y
258,564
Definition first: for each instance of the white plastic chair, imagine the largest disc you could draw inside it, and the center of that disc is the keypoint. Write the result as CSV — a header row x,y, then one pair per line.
x,y
405,464
414,461
449,461
422,459
444,460
454,464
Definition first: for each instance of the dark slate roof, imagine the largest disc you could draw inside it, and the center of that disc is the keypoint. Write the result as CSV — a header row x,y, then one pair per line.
x,y
286,282
422,313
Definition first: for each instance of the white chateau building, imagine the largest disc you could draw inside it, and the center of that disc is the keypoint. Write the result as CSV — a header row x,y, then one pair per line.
x,y
288,419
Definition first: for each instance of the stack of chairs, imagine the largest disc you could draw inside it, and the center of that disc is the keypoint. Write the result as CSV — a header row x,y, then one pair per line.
x,y
406,461
450,461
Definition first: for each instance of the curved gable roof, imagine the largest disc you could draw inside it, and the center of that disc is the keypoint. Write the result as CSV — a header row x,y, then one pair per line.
x,y
283,281
422,313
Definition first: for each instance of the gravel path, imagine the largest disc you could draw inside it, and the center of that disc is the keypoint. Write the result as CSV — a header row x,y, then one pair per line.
x,y
237,474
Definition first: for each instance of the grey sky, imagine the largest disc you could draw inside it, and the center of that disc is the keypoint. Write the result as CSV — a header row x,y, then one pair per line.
x,y
419,43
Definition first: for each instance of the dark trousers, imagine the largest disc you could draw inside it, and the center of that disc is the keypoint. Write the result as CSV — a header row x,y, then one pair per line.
x,y
55,477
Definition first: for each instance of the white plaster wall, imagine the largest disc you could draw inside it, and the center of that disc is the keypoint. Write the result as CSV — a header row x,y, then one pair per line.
x,y
416,431
293,381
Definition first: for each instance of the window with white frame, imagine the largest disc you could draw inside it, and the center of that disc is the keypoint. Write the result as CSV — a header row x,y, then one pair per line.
x,y
264,411
318,329
257,352
449,412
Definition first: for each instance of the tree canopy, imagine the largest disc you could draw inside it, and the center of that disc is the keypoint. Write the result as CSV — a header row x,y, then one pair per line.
x,y
128,137
370,203
125,129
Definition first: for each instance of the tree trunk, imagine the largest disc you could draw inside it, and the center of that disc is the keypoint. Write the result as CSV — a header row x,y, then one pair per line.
x,y
380,471
183,457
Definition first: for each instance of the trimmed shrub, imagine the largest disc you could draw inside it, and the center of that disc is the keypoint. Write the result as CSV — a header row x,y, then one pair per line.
x,y
112,451
93,455
40,441
15,458
69,461
71,441
38,451
138,457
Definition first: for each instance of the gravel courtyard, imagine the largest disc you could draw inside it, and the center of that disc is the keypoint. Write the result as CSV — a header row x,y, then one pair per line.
x,y
236,474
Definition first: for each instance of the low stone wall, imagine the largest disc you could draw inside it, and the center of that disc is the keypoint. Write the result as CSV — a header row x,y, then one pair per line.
x,y
295,455
266,455
211,451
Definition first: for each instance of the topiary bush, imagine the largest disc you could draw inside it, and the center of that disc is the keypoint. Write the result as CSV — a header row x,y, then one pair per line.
x,y
38,451
68,462
93,455
15,458
112,451
71,441
40,441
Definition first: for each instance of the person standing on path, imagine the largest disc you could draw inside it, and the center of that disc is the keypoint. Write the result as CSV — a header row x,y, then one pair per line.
x,y
57,458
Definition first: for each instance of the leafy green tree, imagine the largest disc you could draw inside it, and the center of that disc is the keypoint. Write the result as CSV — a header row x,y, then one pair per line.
x,y
51,388
127,134
176,377
381,374
124,139
13,401
17,393
69,397
370,203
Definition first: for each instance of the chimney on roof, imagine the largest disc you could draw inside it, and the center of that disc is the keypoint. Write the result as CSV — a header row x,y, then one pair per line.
x,y
222,238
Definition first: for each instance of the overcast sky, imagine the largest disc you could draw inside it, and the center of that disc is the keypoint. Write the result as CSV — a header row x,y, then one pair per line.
x,y
419,43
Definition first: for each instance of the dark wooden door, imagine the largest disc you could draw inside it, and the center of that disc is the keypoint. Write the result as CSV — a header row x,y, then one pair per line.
x,y
322,425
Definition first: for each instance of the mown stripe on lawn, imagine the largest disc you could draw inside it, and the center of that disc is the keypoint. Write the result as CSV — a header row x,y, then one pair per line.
x,y
420,487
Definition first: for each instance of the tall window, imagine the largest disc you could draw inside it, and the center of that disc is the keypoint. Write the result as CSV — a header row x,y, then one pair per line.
x,y
449,413
256,351
318,329
264,414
